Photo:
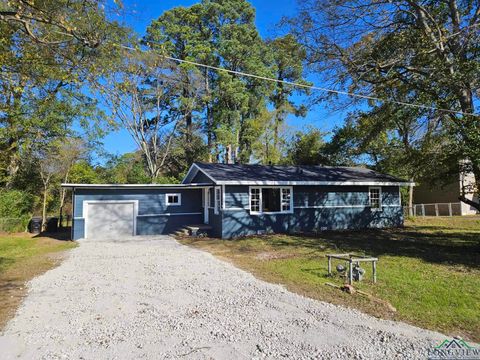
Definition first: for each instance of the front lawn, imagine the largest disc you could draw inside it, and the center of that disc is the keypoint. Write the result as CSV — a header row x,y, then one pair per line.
x,y
429,271
23,257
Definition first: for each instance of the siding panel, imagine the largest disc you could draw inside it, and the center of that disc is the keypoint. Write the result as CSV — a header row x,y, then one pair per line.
x,y
315,208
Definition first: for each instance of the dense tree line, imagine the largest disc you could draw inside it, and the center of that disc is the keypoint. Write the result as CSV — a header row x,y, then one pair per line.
x,y
411,51
70,74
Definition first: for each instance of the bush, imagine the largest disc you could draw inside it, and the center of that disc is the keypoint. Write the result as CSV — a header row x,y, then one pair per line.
x,y
15,210
11,225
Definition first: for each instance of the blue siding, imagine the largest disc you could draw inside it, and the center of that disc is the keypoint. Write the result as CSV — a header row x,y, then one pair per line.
x,y
241,223
216,221
315,208
78,228
153,225
237,197
150,202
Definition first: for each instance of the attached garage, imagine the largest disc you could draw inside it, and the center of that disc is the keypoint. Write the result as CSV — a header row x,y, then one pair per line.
x,y
106,211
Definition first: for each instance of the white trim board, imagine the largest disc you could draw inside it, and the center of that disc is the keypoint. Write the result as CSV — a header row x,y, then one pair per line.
x,y
313,207
326,183
136,186
340,206
170,214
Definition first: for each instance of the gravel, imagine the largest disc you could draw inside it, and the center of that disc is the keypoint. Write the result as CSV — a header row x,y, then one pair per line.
x,y
152,298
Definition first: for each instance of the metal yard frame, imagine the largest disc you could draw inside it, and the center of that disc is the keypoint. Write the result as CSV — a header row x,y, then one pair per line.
x,y
353,259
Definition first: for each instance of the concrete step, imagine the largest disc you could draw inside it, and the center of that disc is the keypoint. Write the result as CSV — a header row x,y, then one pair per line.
x,y
193,230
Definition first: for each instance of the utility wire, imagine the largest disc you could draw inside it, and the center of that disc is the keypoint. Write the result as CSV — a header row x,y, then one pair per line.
x,y
299,85
305,86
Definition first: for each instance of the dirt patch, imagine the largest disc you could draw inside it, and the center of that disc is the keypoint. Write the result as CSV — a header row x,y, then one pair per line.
x,y
13,281
272,255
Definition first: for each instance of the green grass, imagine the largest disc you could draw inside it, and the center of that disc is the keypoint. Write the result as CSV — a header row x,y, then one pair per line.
x,y
14,248
23,257
429,270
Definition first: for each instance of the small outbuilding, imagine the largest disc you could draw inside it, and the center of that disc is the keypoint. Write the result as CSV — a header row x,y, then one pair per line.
x,y
237,200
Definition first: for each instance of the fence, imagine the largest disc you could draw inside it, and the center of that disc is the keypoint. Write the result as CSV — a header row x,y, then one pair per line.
x,y
8,224
436,209
20,224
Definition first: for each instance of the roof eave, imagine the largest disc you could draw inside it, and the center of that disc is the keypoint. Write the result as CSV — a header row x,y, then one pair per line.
x,y
323,183
134,186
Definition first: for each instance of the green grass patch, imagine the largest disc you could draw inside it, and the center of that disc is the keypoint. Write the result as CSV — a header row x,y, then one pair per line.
x,y
14,248
429,270
23,257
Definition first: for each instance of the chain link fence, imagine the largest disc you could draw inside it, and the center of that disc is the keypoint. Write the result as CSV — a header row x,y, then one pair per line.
x,y
436,209
21,224
9,224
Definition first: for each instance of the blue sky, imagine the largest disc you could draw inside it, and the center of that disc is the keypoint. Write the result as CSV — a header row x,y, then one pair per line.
x,y
139,14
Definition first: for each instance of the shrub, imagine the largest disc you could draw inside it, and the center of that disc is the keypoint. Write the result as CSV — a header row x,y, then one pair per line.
x,y
15,210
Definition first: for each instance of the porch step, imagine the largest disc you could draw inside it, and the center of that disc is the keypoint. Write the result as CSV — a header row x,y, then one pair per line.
x,y
193,230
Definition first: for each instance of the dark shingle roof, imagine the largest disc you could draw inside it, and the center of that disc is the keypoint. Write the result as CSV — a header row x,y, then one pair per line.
x,y
304,173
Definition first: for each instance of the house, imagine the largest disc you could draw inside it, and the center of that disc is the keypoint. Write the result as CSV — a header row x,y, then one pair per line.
x,y
238,200
443,199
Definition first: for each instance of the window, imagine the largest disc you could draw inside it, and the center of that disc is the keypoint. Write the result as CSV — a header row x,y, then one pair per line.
x,y
255,199
173,199
286,197
375,196
218,199
270,199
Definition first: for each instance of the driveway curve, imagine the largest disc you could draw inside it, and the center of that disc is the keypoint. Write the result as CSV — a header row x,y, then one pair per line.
x,y
153,298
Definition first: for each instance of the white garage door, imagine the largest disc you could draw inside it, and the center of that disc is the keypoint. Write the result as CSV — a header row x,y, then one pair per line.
x,y
106,220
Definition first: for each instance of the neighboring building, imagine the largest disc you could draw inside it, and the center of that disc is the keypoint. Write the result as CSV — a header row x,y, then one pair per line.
x,y
239,200
445,195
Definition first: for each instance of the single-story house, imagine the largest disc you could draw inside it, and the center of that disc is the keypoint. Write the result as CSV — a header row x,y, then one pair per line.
x,y
237,200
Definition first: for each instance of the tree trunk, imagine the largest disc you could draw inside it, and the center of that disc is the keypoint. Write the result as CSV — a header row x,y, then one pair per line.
x,y
472,189
13,163
63,193
470,132
44,208
228,154
209,123
410,199
275,134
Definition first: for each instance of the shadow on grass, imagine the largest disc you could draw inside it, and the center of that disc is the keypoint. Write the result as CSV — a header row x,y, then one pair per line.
x,y
452,248
63,234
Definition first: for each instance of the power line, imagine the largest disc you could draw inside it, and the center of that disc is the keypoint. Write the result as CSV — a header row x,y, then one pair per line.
x,y
312,87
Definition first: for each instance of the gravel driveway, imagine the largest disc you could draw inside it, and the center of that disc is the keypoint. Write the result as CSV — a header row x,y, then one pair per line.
x,y
152,298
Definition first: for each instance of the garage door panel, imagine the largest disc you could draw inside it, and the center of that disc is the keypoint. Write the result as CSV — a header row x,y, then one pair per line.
x,y
110,219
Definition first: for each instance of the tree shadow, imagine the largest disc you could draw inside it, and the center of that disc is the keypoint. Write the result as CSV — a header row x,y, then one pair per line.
x,y
62,234
452,248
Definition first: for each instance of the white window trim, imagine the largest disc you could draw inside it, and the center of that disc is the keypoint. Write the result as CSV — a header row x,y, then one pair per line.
x,y
217,198
261,200
179,195
380,208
